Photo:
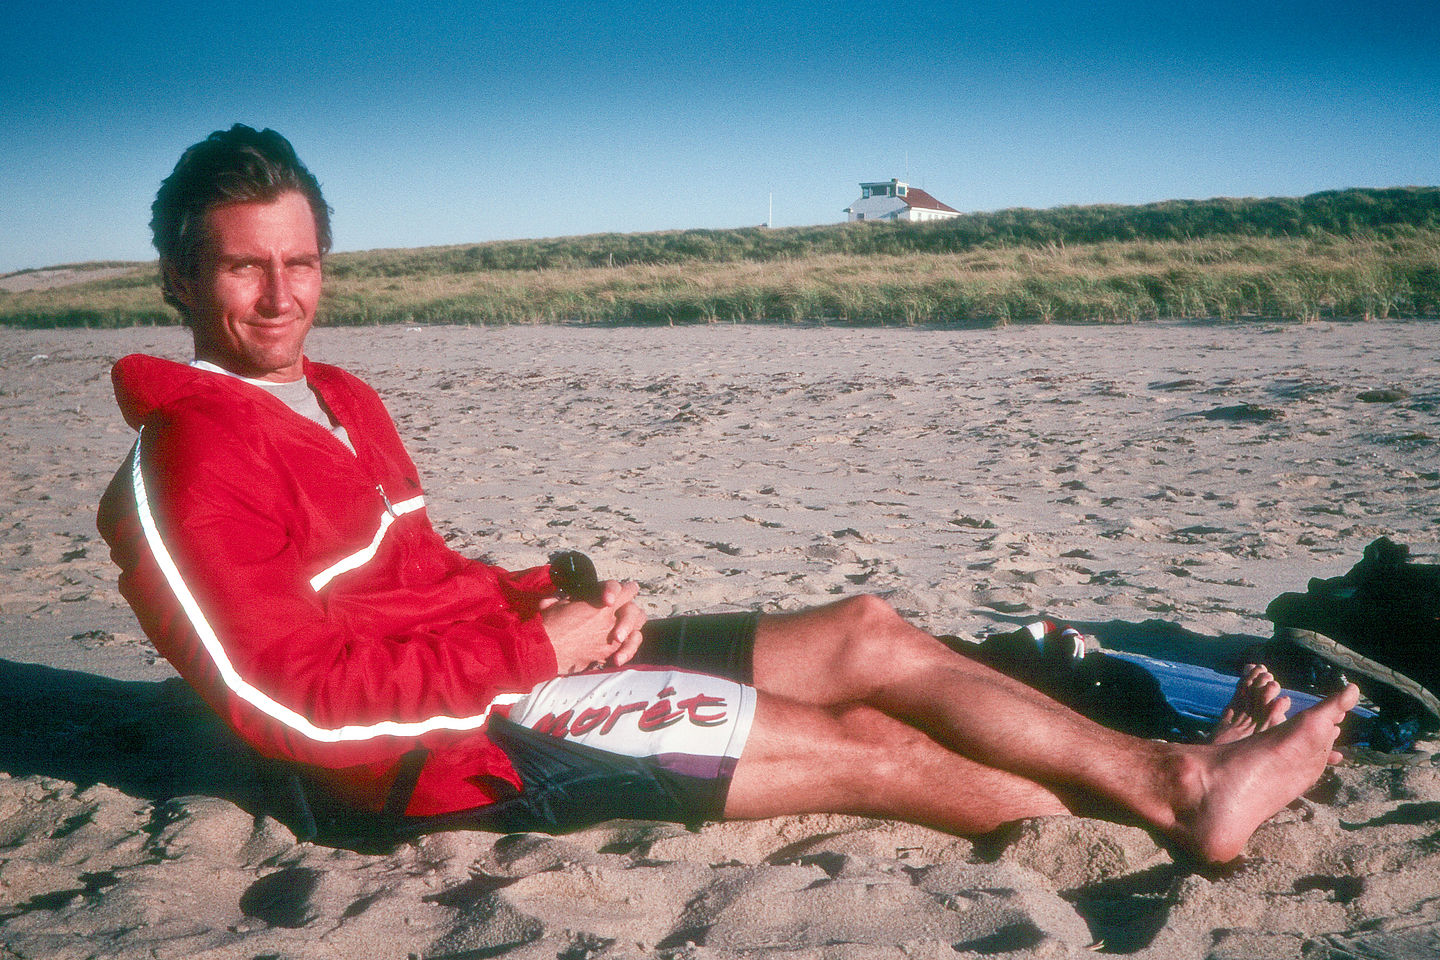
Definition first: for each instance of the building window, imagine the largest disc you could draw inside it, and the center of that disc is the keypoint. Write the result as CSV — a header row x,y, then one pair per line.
x,y
859,216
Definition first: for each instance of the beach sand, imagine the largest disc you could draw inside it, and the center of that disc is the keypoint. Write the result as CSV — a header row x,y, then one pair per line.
x,y
1156,485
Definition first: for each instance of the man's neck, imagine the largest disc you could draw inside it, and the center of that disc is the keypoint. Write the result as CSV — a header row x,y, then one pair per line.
x,y
214,367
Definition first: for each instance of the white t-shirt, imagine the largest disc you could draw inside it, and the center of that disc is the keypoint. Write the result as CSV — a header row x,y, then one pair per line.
x,y
296,395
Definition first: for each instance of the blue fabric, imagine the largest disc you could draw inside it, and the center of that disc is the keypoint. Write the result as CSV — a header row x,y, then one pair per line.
x,y
1200,693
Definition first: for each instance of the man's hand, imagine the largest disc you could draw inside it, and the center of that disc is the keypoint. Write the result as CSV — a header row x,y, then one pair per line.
x,y
586,636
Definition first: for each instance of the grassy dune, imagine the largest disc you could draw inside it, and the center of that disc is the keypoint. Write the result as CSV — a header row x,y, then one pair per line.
x,y
1353,253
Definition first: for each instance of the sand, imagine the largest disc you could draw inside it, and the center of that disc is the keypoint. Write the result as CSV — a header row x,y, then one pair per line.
x,y
53,278
1156,485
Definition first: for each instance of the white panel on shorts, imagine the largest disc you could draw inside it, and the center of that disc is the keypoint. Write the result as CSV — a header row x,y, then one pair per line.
x,y
691,723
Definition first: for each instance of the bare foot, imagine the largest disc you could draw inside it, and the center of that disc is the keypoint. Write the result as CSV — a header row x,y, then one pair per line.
x,y
1257,705
1241,784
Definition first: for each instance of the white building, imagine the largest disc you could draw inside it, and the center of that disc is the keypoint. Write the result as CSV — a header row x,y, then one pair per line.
x,y
897,200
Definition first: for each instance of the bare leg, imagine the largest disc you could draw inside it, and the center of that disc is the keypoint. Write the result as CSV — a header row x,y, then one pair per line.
x,y
1209,798
1257,705
807,759
860,651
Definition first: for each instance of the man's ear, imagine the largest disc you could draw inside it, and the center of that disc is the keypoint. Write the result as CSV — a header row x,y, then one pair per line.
x,y
177,288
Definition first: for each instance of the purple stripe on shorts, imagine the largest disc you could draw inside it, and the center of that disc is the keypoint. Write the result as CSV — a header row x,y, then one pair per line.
x,y
699,767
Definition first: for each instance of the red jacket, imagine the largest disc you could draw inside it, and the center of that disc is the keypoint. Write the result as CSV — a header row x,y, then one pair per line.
x,y
325,621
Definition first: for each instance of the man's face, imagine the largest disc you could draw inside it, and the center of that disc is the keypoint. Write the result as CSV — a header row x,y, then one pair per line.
x,y
252,297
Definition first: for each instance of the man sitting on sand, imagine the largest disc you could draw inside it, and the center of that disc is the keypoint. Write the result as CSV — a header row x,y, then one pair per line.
x,y
273,542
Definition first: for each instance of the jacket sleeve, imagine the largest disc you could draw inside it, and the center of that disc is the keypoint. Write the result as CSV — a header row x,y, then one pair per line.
x,y
266,650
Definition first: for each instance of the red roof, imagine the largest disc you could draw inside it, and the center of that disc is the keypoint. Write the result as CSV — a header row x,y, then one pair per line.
x,y
916,197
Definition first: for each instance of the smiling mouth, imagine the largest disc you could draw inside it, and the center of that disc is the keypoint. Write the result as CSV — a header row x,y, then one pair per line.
x,y
272,325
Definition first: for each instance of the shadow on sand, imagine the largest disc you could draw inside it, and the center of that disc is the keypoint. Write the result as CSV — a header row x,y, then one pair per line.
x,y
158,740
153,740
1163,640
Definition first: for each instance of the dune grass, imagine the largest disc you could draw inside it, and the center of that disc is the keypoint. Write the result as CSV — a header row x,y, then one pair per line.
x,y
1354,253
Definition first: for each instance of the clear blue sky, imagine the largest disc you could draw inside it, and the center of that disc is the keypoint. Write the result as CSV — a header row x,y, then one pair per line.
x,y
452,122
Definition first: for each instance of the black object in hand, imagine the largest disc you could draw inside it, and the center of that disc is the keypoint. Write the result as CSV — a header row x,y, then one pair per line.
x,y
574,574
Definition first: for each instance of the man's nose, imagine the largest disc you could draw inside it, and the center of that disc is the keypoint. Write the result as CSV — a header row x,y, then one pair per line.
x,y
275,297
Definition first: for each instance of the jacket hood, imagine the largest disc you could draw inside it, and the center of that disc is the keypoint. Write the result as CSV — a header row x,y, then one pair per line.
x,y
145,384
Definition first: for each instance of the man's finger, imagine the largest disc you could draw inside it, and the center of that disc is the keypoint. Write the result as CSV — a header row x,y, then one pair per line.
x,y
628,648
628,621
614,592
